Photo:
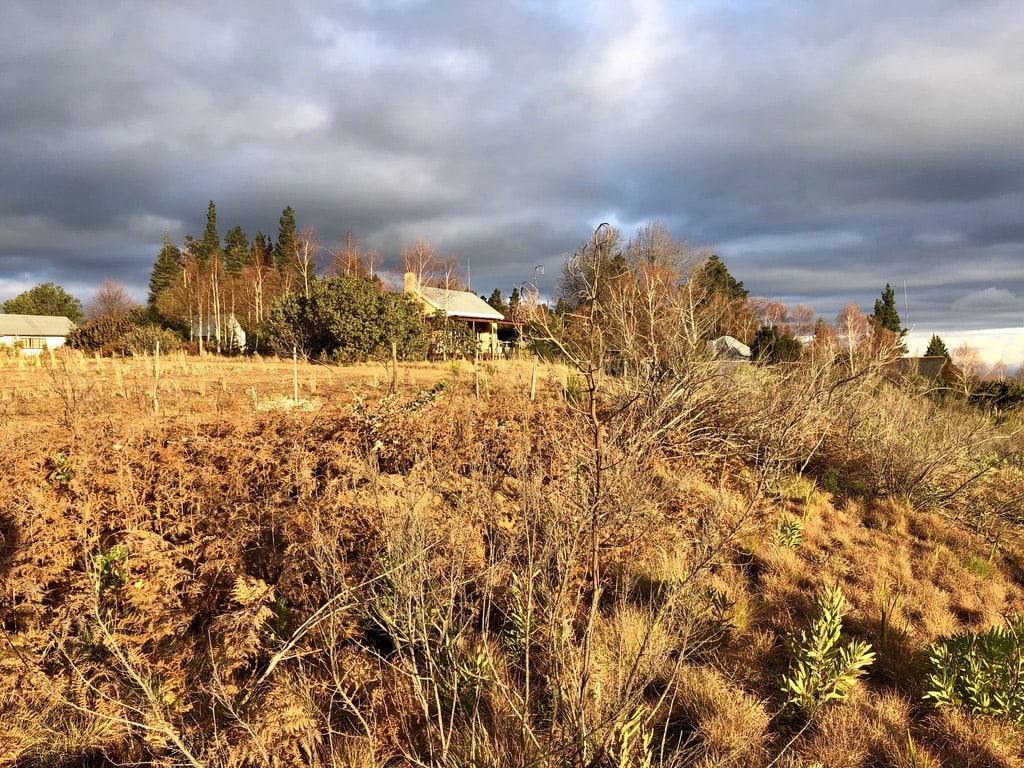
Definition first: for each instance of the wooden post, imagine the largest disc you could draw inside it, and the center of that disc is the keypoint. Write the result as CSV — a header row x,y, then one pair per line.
x,y
533,378
295,375
476,372
394,367
156,378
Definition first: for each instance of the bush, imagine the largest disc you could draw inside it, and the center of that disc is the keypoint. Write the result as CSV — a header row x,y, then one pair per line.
x,y
823,670
980,673
347,319
143,340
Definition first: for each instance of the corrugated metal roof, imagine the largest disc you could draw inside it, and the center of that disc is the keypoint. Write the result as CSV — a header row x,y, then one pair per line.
x,y
34,325
460,304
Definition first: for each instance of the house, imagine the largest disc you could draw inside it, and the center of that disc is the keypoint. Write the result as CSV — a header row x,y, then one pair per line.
x,y
728,349
462,306
936,368
226,336
34,333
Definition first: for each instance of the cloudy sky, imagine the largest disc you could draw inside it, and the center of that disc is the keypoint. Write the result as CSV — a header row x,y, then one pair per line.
x,y
822,149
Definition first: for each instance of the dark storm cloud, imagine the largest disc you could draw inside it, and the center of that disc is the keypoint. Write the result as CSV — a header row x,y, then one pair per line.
x,y
821,149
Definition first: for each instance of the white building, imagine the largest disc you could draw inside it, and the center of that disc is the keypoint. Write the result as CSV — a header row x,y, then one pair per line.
x,y
34,333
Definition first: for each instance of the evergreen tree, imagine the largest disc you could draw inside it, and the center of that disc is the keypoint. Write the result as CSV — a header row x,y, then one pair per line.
x,y
714,277
236,250
771,346
210,244
496,301
886,317
936,347
46,299
287,240
514,300
165,269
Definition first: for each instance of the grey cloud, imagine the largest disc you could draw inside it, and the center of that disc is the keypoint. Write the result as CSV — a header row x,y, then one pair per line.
x,y
821,150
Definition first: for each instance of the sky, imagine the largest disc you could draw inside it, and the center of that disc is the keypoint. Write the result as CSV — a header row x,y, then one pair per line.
x,y
821,148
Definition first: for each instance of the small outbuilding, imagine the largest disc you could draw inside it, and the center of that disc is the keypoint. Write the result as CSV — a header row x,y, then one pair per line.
x,y
34,333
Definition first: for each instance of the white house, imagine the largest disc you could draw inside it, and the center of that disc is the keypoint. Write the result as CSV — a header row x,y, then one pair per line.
x,y
228,336
34,333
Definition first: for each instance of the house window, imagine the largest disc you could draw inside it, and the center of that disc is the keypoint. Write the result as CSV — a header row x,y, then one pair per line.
x,y
33,342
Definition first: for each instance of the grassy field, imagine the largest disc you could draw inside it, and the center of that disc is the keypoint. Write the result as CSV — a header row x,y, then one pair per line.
x,y
268,564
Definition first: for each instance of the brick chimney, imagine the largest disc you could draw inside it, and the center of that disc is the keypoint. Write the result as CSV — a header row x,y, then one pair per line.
x,y
411,283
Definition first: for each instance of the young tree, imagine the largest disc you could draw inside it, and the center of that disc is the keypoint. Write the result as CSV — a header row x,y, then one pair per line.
x,y
936,347
45,299
886,318
306,249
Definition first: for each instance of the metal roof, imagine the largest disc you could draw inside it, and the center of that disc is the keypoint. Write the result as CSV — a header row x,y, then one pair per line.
x,y
34,325
460,304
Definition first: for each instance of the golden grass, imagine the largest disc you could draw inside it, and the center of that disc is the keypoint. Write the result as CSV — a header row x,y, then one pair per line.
x,y
223,570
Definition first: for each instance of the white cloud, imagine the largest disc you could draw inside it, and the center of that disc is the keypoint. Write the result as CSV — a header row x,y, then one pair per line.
x,y
987,300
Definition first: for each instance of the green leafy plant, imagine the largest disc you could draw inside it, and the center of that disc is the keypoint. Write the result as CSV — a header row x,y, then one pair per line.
x,y
110,569
982,673
789,533
823,670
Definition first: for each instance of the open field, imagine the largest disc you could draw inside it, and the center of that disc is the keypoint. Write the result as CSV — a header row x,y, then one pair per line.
x,y
37,389
456,574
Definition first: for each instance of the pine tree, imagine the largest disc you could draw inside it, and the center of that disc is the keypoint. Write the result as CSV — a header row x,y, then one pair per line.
x,y
287,240
210,244
165,269
714,277
236,250
496,301
886,317
936,347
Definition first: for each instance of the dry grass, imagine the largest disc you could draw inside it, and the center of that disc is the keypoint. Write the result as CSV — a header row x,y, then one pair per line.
x,y
371,579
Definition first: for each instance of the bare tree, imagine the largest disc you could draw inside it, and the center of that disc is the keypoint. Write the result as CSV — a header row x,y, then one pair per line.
x,y
419,259
803,320
351,259
112,298
306,249
967,359
450,277
853,329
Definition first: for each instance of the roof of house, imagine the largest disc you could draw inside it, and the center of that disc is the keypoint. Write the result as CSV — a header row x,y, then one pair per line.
x,y
728,348
459,304
34,325
931,367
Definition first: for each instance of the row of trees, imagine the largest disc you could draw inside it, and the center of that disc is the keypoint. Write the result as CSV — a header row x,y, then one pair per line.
x,y
659,286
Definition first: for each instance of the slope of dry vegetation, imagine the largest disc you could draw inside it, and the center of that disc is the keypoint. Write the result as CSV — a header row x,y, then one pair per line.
x,y
406,579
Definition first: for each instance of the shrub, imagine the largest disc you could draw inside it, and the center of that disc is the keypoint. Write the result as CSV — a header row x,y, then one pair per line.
x,y
982,673
823,670
143,340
